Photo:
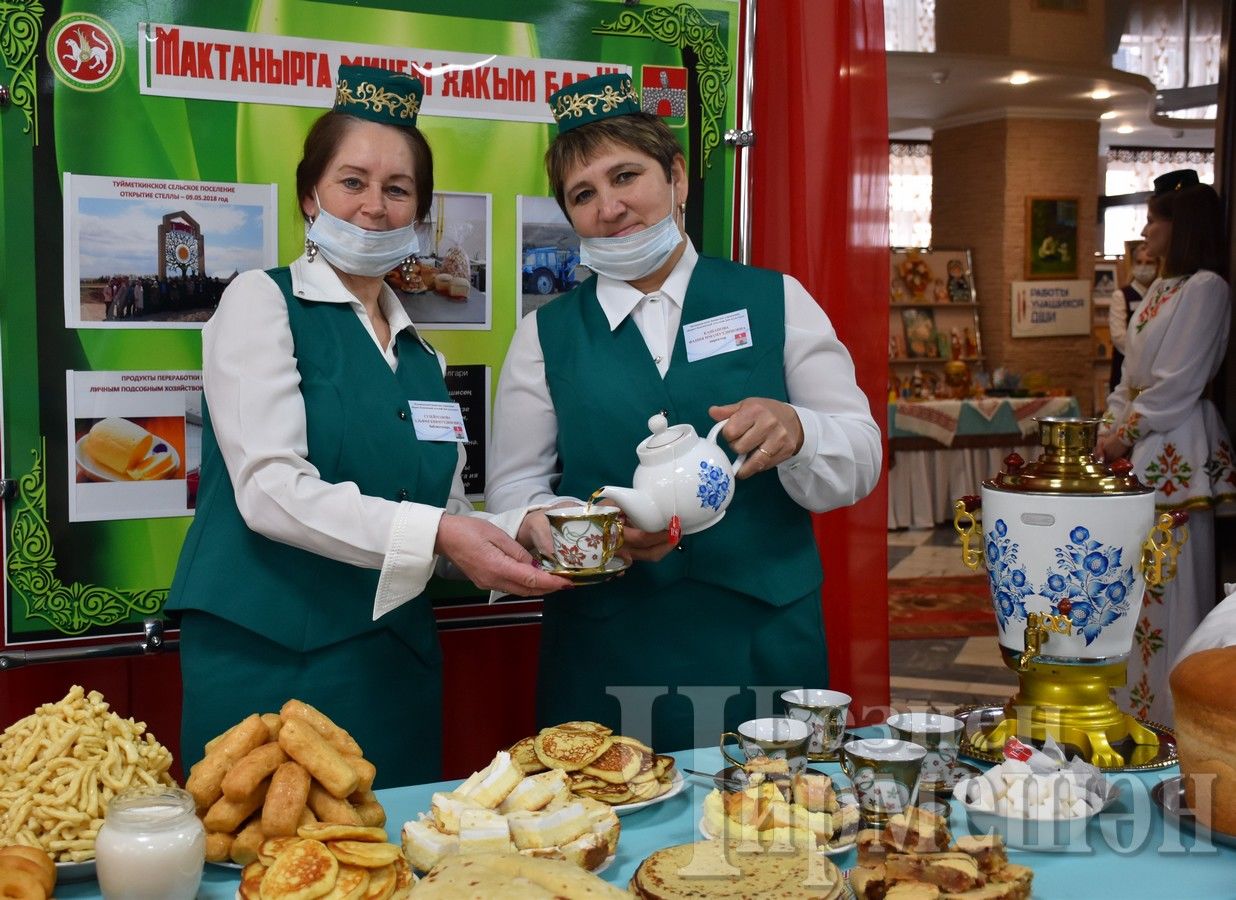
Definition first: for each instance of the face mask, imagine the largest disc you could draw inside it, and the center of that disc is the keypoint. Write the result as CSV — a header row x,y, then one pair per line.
x,y
1143,274
632,256
352,249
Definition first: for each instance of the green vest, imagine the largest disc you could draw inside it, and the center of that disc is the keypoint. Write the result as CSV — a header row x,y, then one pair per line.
x,y
605,386
359,430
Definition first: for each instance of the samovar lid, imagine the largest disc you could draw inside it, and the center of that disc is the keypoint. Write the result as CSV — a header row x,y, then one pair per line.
x,y
1067,465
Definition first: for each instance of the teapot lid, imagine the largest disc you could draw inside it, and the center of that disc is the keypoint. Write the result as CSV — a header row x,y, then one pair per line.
x,y
663,434
1068,465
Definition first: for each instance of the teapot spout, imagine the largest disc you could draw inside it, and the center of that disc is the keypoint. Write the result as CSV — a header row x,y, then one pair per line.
x,y
639,508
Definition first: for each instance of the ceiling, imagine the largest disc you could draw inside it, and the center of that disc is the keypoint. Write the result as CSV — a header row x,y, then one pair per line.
x,y
928,91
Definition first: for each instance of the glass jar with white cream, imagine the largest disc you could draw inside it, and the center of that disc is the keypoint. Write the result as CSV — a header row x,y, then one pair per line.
x,y
150,845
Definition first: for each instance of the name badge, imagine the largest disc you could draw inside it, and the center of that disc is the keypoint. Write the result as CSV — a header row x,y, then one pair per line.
x,y
720,334
438,421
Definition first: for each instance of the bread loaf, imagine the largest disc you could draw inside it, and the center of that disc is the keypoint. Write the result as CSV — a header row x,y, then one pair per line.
x,y
1201,686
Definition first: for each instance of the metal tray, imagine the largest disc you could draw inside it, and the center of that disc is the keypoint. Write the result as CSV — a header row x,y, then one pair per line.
x,y
1169,796
977,718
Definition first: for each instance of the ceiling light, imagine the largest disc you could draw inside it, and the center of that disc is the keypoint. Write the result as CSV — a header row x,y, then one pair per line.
x,y
1100,94
1110,114
1125,129
1019,77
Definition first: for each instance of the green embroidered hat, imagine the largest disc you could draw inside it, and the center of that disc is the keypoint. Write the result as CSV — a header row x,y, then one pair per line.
x,y
380,95
598,97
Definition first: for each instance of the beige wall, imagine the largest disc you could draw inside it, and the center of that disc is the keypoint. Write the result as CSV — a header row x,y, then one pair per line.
x,y
982,175
1022,29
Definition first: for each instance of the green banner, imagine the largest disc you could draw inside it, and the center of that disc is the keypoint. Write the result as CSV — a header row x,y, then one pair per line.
x,y
80,107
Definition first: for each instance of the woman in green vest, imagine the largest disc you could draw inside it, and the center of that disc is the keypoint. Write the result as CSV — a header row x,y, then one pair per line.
x,y
704,631
330,490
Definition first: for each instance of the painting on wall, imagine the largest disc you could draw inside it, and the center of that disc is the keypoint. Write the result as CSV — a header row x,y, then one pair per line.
x,y
1051,237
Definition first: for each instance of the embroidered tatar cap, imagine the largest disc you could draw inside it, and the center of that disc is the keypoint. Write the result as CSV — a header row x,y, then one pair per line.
x,y
598,97
1175,181
379,95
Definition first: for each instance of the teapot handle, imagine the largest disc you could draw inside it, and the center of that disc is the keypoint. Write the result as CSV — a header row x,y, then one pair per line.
x,y
712,439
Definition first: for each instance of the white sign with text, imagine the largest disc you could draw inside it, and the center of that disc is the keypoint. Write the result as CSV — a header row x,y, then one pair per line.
x,y
1050,308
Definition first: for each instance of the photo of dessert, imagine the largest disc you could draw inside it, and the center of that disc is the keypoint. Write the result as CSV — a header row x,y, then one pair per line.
x,y
122,449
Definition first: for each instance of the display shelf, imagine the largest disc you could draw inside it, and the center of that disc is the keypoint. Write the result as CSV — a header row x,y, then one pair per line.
x,y
933,304
914,360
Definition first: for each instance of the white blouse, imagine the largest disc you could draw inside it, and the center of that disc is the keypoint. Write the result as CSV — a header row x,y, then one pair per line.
x,y
838,464
252,387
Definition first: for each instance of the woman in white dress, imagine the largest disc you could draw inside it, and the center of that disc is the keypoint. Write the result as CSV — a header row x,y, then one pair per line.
x,y
1160,418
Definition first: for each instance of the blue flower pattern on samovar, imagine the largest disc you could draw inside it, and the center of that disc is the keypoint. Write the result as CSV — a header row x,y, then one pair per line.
x,y
1088,584
714,486
1009,585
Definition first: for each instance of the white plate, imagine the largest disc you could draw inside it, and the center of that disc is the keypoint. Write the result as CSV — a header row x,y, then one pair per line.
x,y
828,849
74,871
1026,833
676,786
224,864
105,473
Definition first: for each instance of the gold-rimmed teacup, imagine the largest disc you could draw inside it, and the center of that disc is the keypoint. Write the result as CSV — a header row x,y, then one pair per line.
x,y
585,538
776,737
825,713
940,735
884,772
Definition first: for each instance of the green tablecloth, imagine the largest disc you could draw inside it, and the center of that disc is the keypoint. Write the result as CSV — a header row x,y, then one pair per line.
x,y
1131,853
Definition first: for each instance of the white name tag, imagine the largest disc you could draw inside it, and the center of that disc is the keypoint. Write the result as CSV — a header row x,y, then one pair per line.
x,y
438,421
720,334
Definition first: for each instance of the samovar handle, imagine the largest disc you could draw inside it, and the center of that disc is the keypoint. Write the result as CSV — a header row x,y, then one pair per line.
x,y
1166,549
966,522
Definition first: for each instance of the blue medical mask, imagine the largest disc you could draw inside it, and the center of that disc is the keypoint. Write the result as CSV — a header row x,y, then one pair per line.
x,y
357,251
632,256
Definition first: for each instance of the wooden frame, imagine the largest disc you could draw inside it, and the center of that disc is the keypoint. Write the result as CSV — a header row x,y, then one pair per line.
x,y
1051,237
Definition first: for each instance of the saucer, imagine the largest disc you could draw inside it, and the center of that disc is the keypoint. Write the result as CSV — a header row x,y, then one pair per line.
x,y
955,773
615,566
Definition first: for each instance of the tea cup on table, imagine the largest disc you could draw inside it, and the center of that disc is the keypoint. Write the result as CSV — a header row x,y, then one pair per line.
x,y
940,735
584,537
776,737
825,713
885,773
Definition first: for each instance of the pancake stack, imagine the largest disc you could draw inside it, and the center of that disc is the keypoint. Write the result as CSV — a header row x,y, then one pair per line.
x,y
599,764
327,860
733,869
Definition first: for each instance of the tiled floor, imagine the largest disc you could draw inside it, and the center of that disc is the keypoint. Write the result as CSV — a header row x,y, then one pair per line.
x,y
941,673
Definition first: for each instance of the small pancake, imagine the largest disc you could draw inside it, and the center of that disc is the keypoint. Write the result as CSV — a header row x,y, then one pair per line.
x,y
637,744
662,764
617,765
351,884
270,849
381,883
366,854
524,756
404,879
251,882
327,831
580,780
613,794
569,750
590,727
303,871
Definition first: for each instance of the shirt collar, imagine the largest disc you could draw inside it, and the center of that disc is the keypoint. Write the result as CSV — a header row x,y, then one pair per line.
x,y
618,298
319,282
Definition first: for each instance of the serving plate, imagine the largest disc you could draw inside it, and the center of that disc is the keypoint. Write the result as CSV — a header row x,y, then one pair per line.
x,y
1145,759
101,472
677,783
1045,835
75,871
1169,795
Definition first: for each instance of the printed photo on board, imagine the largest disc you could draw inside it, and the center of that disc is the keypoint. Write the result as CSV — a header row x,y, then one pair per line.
x,y
548,253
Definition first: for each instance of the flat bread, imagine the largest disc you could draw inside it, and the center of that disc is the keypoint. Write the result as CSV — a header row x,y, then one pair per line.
x,y
729,869
488,875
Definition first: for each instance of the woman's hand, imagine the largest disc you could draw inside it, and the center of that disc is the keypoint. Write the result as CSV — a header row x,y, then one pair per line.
x,y
1110,448
767,430
650,546
490,559
535,533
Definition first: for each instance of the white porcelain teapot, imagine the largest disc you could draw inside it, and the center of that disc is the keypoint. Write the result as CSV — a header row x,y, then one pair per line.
x,y
679,474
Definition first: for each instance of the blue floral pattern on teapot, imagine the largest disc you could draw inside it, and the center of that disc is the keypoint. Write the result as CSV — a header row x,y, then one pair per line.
x,y
1088,584
714,486
1009,585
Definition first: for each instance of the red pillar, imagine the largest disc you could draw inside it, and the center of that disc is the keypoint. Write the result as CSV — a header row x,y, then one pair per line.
x,y
819,187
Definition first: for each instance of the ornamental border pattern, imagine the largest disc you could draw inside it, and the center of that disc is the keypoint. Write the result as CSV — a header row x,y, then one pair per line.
x,y
20,22
684,26
71,609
